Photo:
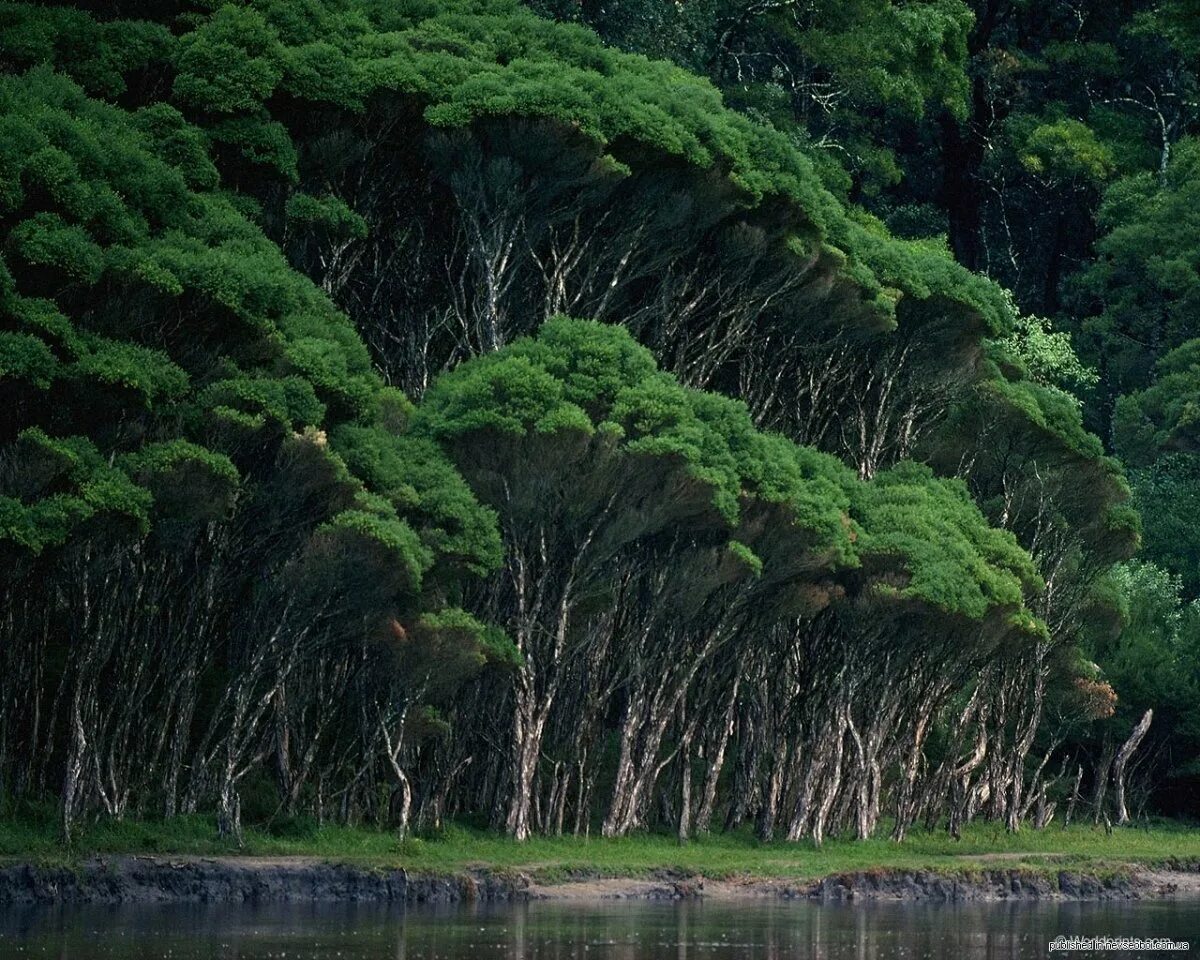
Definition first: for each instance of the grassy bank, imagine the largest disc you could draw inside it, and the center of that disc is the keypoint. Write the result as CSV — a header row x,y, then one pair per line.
x,y
33,838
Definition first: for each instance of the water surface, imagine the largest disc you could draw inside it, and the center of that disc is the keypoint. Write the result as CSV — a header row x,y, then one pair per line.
x,y
629,930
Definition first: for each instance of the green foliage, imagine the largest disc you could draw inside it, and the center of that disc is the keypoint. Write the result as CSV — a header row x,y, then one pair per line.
x,y
231,62
328,214
61,483
952,559
46,240
1146,279
160,305
594,362
1048,410
906,56
505,393
1177,20
101,54
580,378
178,144
474,59
1155,659
259,142
862,62
288,402
585,378
390,542
418,481
26,357
485,643
1048,355
169,370
745,555
1065,150
186,480
1023,421
1167,495
1165,416
148,373
160,459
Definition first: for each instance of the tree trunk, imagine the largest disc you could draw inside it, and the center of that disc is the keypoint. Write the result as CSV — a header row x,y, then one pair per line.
x,y
962,154
624,778
768,814
1100,790
74,769
529,720
716,762
1074,797
1123,755
229,810
685,789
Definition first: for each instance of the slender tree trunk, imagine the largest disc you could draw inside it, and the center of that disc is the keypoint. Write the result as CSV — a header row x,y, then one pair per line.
x,y
229,809
716,763
904,793
623,779
1123,755
833,781
404,812
1100,789
529,721
1074,797
685,789
74,768
768,814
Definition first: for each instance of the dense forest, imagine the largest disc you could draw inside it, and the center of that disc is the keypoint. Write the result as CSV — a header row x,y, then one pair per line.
x,y
765,415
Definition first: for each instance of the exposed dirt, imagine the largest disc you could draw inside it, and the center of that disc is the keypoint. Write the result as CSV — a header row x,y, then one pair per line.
x,y
1172,883
1129,883
144,879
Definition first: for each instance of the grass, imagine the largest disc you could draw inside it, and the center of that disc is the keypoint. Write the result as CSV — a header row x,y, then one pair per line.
x,y
31,836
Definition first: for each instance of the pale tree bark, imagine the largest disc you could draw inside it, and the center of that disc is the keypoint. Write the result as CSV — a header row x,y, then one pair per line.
x,y
1071,803
393,747
715,755
544,598
1122,758
1100,788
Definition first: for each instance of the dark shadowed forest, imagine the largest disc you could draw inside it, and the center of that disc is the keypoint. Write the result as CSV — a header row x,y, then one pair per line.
x,y
777,416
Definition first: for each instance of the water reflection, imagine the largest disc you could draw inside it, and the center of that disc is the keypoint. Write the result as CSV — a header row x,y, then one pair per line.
x,y
612,930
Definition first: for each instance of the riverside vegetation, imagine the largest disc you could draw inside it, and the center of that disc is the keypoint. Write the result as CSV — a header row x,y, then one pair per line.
x,y
734,421
727,856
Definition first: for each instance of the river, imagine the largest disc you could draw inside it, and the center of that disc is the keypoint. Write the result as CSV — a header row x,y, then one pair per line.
x,y
629,930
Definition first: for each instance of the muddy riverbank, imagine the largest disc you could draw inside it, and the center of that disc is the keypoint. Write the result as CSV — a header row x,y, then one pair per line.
x,y
173,879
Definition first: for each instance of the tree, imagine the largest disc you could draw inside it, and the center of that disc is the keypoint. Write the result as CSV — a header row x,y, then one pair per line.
x,y
1152,662
167,477
1145,276
232,235
589,454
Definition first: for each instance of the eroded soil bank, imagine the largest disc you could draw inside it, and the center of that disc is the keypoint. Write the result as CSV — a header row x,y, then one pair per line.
x,y
145,879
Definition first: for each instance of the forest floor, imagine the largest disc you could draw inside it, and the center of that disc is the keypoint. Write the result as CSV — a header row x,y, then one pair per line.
x,y
32,837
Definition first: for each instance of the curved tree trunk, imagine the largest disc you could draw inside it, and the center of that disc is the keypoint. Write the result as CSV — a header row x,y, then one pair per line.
x,y
1122,758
